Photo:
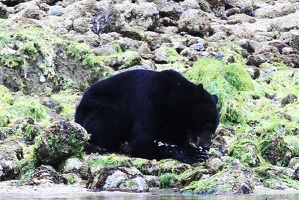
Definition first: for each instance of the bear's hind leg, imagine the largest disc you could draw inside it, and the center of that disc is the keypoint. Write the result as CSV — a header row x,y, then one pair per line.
x,y
107,129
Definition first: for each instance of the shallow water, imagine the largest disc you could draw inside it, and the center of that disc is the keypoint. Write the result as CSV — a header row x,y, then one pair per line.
x,y
141,196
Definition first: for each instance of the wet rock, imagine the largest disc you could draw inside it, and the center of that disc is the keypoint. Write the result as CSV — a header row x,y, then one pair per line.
x,y
245,6
195,22
289,99
161,55
215,165
294,163
29,9
81,25
101,20
105,50
191,54
3,11
12,3
192,4
275,150
45,175
76,166
152,181
218,139
144,51
10,154
79,9
274,11
169,10
123,19
255,60
60,141
275,177
147,167
241,181
294,39
254,72
121,179
55,10
286,23
240,18
173,166
246,151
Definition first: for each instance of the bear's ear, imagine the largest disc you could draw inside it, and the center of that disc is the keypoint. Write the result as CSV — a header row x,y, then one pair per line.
x,y
215,98
199,89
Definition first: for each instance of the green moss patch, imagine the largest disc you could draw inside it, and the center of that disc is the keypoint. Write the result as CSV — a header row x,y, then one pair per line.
x,y
228,82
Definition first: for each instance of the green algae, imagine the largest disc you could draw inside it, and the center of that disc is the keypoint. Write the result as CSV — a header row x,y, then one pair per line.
x,y
82,52
168,180
61,140
245,149
25,46
110,159
28,107
273,176
68,100
20,107
227,81
173,56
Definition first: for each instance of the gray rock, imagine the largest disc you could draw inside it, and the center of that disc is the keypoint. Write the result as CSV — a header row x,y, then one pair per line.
x,y
291,37
215,165
128,179
13,2
274,11
10,152
81,25
287,22
29,9
131,20
195,22
45,175
55,10
144,51
294,163
169,9
290,98
190,53
253,71
246,6
161,55
3,11
60,141
190,4
105,50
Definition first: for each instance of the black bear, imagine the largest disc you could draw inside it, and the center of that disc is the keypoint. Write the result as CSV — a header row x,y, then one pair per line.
x,y
160,114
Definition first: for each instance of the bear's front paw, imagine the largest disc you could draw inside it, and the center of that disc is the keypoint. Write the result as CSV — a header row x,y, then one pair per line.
x,y
190,156
91,148
196,155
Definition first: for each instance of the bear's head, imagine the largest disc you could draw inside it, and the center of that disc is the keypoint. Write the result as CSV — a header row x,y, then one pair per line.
x,y
203,119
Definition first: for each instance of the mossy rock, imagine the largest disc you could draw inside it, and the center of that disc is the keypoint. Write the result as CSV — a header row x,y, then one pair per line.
x,y
35,61
274,176
235,179
277,149
60,141
246,151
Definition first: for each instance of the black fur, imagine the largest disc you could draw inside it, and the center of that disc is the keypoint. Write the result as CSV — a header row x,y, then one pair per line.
x,y
160,114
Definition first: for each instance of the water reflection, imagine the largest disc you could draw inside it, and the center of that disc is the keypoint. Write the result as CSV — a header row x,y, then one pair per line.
x,y
141,196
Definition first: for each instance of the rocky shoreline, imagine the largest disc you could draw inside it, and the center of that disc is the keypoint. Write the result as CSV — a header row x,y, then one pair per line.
x,y
246,52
